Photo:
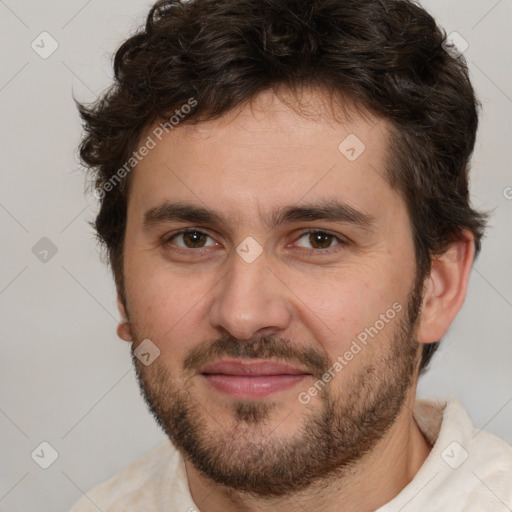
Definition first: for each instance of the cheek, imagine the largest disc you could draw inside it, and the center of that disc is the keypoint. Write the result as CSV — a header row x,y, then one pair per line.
x,y
341,309
167,307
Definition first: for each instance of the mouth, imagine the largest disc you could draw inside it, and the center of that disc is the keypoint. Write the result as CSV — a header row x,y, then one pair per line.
x,y
251,378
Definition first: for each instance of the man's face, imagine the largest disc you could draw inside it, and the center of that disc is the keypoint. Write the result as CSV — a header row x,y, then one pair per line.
x,y
338,305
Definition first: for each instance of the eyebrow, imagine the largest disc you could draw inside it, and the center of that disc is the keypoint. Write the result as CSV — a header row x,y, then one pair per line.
x,y
326,210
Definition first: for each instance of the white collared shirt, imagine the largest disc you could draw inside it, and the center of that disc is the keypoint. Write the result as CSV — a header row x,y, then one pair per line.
x,y
467,470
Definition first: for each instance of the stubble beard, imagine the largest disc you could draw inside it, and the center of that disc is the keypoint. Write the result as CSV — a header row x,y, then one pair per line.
x,y
248,455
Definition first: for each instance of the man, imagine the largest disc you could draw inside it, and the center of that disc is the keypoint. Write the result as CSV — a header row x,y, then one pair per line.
x,y
284,204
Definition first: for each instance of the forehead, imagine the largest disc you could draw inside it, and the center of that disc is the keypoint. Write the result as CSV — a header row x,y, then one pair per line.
x,y
267,154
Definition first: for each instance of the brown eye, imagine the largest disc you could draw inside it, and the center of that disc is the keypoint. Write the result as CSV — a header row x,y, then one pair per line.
x,y
193,239
319,241
190,239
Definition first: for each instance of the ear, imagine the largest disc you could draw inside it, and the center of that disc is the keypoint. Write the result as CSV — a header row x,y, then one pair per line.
x,y
123,329
445,289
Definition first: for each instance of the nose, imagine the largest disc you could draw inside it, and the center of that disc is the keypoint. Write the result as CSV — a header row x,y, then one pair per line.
x,y
251,300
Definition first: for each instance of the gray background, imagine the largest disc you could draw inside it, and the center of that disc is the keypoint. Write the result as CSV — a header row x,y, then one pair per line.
x,y
65,377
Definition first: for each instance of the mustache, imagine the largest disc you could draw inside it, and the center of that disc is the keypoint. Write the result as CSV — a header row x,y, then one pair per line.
x,y
266,347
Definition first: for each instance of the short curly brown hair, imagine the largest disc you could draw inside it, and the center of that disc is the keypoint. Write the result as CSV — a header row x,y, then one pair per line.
x,y
387,56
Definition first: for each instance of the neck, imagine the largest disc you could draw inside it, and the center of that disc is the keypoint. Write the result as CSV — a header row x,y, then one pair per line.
x,y
375,480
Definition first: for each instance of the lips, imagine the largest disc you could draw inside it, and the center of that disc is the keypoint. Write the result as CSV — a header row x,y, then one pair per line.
x,y
251,379
250,368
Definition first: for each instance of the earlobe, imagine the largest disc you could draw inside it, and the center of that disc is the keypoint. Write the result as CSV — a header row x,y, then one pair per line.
x,y
123,329
445,289
124,332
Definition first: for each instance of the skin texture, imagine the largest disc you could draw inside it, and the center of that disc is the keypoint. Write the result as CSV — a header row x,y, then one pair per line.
x,y
295,303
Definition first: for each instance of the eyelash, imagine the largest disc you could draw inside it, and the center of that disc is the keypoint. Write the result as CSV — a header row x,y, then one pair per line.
x,y
341,242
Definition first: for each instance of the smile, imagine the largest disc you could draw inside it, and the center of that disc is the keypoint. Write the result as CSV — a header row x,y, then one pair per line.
x,y
251,379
